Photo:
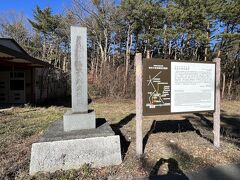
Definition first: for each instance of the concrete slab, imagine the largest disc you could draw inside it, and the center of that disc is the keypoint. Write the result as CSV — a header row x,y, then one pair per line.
x,y
70,150
72,154
77,121
56,133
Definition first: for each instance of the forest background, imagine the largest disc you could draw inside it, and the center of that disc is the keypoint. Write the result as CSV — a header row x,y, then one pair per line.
x,y
182,30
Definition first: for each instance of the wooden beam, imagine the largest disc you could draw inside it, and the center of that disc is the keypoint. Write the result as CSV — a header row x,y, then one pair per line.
x,y
19,65
6,58
139,108
216,114
7,62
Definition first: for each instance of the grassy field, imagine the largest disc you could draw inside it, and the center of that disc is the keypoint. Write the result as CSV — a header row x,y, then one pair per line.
x,y
184,139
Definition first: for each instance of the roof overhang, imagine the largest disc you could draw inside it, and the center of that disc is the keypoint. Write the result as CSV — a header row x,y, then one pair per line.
x,y
10,56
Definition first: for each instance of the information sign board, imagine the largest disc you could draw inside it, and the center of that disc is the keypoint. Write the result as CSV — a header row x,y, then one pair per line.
x,y
177,86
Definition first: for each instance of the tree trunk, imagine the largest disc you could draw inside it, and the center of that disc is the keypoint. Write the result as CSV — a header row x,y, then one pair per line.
x,y
105,45
101,51
195,54
128,51
223,84
175,55
65,64
148,54
206,48
44,48
170,49
230,88
96,68
164,41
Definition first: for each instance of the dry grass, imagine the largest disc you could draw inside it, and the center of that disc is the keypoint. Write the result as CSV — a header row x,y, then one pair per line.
x,y
231,107
19,128
187,142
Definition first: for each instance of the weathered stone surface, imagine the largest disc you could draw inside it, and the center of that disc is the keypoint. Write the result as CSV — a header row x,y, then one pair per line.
x,y
72,154
79,69
76,121
55,132
79,117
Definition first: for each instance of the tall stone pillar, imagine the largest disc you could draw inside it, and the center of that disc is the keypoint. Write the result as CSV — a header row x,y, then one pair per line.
x,y
79,117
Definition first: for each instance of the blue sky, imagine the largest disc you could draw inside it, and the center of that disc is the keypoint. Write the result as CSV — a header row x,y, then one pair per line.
x,y
26,6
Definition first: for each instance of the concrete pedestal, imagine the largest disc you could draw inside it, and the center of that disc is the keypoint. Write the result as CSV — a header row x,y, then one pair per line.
x,y
77,121
58,149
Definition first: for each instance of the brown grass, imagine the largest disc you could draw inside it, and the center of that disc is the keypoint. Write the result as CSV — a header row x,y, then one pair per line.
x,y
191,148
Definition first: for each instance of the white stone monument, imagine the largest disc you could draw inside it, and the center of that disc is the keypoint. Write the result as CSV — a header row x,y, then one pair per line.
x,y
79,117
75,140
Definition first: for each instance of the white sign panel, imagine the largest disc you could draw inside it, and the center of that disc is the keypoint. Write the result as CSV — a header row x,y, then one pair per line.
x,y
192,87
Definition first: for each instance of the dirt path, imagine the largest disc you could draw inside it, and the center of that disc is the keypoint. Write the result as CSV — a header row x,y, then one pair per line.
x,y
176,138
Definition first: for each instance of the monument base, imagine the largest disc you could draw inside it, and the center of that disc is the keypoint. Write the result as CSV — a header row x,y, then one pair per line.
x,y
77,121
70,150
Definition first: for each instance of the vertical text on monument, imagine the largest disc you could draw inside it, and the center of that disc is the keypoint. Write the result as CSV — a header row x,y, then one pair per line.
x,y
79,69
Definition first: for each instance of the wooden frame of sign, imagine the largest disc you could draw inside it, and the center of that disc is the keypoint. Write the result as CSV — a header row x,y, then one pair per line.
x,y
169,87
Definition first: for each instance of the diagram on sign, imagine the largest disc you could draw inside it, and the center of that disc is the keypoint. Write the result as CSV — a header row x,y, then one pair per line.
x,y
158,91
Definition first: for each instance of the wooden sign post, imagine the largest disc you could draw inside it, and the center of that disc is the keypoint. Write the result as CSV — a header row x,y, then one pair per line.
x,y
170,87
216,114
139,105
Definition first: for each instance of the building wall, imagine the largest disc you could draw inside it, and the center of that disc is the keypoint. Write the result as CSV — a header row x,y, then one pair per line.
x,y
15,96
39,85
28,85
49,84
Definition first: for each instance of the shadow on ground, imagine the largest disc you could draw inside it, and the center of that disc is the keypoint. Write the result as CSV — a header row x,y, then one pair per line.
x,y
117,129
230,126
61,101
100,121
227,172
174,172
169,126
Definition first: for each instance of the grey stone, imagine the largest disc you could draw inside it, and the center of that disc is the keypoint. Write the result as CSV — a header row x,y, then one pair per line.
x,y
79,69
72,154
76,121
79,117
70,143
55,132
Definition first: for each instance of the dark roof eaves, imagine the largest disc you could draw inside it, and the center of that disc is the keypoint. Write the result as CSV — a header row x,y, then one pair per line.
x,y
23,56
15,42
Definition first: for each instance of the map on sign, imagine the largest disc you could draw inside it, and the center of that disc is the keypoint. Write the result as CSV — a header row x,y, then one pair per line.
x,y
157,87
158,96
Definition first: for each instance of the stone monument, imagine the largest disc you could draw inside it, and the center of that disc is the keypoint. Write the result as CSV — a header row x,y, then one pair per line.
x,y
79,138
79,117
